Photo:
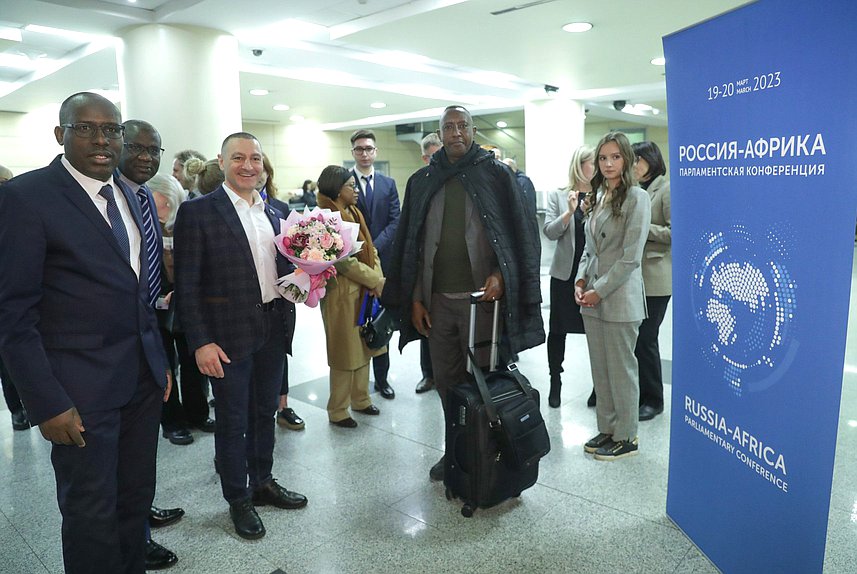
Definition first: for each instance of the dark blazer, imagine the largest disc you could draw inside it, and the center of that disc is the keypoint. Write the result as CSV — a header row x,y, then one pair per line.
x,y
383,218
73,316
218,296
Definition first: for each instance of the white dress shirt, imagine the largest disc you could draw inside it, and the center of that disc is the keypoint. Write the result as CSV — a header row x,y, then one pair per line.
x,y
260,236
92,187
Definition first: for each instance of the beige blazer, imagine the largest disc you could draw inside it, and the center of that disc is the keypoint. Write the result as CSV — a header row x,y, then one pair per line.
x,y
346,350
612,258
658,258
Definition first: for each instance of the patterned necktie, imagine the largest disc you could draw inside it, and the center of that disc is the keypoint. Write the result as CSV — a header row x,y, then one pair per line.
x,y
367,179
152,247
116,223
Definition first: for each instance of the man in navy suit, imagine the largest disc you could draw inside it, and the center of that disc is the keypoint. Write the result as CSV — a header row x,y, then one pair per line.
x,y
378,201
80,337
239,326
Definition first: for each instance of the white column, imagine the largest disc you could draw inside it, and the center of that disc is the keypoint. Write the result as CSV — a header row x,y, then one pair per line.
x,y
553,130
184,81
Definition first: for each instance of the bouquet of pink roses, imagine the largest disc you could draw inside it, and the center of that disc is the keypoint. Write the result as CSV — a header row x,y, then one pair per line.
x,y
313,241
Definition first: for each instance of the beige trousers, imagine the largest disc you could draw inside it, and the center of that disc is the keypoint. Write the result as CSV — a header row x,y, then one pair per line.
x,y
348,388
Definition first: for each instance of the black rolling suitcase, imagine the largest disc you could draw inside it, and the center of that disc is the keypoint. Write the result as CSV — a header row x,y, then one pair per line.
x,y
495,434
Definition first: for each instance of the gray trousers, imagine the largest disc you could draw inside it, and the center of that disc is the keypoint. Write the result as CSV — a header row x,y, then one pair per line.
x,y
615,375
448,338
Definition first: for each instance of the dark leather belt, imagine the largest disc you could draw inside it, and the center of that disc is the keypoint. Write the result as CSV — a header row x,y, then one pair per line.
x,y
274,304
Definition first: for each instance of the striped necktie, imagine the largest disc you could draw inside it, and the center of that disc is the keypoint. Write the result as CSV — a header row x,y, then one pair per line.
x,y
153,251
116,223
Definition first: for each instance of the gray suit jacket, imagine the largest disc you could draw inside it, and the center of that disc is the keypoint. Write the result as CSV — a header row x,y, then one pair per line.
x,y
657,258
557,230
612,258
483,260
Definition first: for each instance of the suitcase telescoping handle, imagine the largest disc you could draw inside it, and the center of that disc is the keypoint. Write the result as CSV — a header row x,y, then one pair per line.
x,y
473,367
495,332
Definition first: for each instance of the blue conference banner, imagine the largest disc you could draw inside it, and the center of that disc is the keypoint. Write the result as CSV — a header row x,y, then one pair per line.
x,y
763,154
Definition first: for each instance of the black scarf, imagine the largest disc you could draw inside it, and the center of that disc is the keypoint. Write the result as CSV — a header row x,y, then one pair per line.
x,y
446,170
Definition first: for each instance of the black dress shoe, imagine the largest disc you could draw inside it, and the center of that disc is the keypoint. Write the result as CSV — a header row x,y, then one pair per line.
x,y
348,423
590,402
275,495
247,523
289,418
181,436
159,517
370,410
20,420
206,426
437,472
647,413
385,389
425,385
158,557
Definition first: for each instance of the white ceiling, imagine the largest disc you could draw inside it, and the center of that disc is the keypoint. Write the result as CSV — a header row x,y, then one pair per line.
x,y
330,59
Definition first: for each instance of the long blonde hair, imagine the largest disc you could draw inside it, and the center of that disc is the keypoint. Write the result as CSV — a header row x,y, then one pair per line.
x,y
581,155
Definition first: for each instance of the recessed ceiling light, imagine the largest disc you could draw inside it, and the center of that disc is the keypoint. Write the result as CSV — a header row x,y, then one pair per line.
x,y
378,105
297,118
259,92
659,61
501,124
281,108
576,27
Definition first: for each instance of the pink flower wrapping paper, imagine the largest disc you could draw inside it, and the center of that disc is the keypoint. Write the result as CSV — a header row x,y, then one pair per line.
x,y
313,241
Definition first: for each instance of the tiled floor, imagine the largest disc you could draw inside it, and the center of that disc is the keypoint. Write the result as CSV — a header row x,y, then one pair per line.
x,y
373,509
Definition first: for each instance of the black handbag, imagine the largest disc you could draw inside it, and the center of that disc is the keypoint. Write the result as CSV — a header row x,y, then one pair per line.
x,y
522,434
376,323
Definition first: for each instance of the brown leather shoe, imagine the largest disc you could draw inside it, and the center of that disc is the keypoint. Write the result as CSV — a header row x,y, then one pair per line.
x,y
348,423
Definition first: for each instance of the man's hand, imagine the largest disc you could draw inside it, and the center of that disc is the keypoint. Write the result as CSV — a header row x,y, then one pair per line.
x,y
169,386
493,287
65,428
208,359
420,318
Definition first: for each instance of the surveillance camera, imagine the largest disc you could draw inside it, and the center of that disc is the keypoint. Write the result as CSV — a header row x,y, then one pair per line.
x,y
619,105
257,52
551,89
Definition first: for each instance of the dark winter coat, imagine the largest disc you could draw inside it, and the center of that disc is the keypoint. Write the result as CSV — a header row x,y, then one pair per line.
x,y
512,233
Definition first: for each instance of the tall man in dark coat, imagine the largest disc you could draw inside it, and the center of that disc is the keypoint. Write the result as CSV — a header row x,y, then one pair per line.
x,y
464,227
238,325
80,337
378,201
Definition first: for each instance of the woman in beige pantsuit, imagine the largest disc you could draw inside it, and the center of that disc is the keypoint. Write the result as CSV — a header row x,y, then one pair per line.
x,y
609,290
347,354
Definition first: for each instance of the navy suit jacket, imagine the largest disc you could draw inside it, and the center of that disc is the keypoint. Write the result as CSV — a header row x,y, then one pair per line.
x,y
383,218
73,316
217,292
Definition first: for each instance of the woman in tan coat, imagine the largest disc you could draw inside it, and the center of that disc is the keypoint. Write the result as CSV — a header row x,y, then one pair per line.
x,y
347,354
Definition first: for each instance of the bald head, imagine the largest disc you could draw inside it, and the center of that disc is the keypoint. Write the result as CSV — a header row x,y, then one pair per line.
x,y
5,174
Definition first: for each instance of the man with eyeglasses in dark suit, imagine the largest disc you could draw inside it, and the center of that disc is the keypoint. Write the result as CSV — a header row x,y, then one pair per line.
x,y
80,337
